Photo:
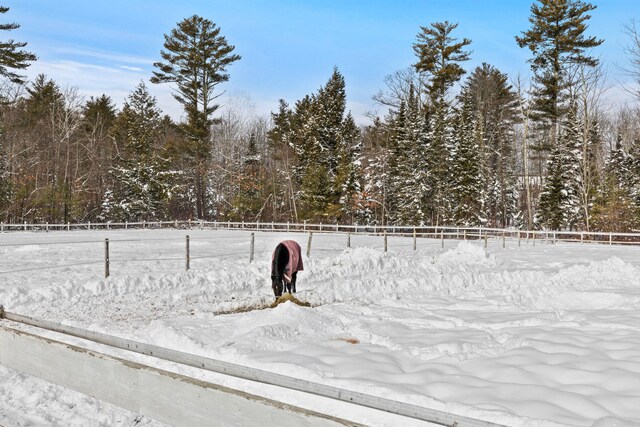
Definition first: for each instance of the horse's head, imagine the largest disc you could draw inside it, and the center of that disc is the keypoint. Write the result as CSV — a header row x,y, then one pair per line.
x,y
277,286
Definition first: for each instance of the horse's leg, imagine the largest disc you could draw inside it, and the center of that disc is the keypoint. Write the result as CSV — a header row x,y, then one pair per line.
x,y
294,277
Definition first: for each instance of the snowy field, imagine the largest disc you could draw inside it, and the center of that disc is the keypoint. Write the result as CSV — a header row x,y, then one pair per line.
x,y
538,335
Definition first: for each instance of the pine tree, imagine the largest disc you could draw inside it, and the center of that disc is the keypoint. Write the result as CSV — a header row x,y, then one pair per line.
x,y
12,57
409,172
321,136
557,42
617,205
196,60
439,56
141,180
468,173
348,181
247,201
491,103
281,181
559,202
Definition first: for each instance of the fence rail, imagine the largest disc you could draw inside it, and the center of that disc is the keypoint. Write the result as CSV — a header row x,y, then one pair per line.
x,y
443,232
32,354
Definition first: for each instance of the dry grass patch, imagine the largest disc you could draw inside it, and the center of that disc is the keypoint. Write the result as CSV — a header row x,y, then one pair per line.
x,y
289,297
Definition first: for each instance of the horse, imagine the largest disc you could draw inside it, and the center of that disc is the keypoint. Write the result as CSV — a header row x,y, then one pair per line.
x,y
285,264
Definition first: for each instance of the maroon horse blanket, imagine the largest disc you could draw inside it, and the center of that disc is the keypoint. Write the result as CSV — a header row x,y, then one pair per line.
x,y
294,264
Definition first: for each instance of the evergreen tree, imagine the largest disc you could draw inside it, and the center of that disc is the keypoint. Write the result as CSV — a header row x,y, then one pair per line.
x,y
12,57
617,205
348,180
468,173
439,56
409,172
559,202
323,141
557,41
491,103
281,182
196,60
248,199
99,114
141,180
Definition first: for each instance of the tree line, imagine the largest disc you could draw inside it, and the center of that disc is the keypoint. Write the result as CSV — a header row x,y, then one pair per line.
x,y
454,146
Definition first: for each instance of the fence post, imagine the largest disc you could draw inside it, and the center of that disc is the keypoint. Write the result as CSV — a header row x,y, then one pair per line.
x,y
519,238
464,234
25,226
385,240
486,239
309,244
581,237
304,226
253,237
68,226
534,237
348,239
503,240
610,238
288,226
414,239
2,226
187,258
442,238
46,227
106,258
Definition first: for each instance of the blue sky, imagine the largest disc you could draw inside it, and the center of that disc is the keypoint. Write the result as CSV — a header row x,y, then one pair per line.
x,y
288,47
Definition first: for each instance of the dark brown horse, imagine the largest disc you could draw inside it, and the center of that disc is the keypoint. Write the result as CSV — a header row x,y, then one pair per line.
x,y
285,264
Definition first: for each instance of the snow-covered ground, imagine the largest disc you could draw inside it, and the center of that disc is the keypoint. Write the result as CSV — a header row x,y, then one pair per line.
x,y
523,336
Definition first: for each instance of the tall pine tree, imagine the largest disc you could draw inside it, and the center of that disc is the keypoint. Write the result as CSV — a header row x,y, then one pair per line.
x,y
195,59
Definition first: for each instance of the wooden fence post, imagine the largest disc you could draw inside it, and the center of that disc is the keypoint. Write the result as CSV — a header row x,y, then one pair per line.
x,y
442,238
385,240
503,240
534,237
348,239
610,238
519,235
414,239
106,258
187,263
486,239
253,237
309,244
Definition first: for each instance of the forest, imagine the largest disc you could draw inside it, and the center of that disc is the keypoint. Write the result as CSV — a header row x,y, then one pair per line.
x,y
454,146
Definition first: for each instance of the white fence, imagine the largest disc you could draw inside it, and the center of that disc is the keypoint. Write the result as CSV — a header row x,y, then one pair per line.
x,y
184,257
443,232
157,393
